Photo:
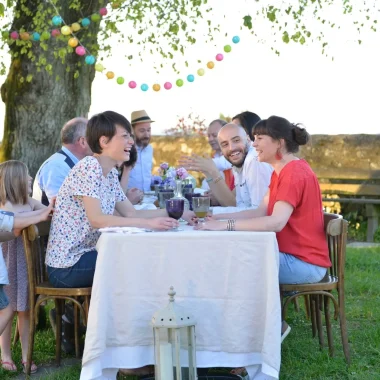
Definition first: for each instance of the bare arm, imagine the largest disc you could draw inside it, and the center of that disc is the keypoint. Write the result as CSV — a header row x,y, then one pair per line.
x,y
274,223
36,205
99,220
126,209
247,214
217,185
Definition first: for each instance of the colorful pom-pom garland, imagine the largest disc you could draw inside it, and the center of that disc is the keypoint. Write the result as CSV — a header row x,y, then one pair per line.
x,y
168,85
79,49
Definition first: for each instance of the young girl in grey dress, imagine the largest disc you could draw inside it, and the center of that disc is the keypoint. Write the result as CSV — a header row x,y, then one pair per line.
x,y
15,187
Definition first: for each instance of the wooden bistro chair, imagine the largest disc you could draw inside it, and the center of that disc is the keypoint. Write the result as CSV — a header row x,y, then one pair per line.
x,y
318,295
40,290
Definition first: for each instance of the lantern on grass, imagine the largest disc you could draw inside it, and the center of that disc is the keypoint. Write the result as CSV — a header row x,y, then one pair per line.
x,y
174,342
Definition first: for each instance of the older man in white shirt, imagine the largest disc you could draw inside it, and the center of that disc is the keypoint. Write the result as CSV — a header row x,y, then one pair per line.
x,y
141,175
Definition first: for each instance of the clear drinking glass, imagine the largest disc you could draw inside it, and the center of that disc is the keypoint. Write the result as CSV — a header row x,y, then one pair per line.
x,y
163,195
201,206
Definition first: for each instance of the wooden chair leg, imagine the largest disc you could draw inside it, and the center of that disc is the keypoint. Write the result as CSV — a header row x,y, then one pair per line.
x,y
32,330
343,327
319,320
296,305
59,307
307,306
312,316
328,325
76,330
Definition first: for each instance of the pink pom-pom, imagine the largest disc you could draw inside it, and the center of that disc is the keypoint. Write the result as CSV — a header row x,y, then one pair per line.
x,y
167,85
14,35
219,57
132,84
103,11
80,50
55,32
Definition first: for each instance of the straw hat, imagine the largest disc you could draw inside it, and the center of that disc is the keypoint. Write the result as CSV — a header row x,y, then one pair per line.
x,y
140,117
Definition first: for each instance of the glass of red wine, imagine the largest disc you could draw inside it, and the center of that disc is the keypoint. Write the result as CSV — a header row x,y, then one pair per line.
x,y
175,208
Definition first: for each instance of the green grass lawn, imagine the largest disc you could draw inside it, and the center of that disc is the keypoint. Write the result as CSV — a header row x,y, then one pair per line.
x,y
301,357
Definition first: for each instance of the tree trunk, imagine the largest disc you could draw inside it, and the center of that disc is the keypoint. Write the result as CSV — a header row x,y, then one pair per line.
x,y
35,112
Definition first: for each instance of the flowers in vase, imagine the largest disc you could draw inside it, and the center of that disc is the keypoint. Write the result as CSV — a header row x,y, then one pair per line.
x,y
181,173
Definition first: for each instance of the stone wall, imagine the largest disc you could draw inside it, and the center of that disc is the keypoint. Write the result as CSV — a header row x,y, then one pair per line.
x,y
323,152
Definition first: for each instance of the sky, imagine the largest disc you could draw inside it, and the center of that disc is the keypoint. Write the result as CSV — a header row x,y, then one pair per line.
x,y
329,95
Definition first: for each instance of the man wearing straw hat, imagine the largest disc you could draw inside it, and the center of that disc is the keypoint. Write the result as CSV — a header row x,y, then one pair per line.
x,y
140,176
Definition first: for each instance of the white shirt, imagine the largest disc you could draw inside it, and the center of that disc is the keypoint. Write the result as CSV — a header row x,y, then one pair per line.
x,y
51,175
251,181
6,225
141,175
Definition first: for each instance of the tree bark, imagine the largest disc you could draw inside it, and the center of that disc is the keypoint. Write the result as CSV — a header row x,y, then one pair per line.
x,y
35,112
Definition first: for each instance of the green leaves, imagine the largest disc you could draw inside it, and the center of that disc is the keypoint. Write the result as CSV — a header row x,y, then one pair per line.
x,y
248,21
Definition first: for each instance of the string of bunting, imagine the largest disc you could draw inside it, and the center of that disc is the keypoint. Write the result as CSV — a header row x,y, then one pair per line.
x,y
71,32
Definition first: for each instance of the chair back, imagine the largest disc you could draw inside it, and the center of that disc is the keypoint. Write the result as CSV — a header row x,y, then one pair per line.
x,y
35,241
336,234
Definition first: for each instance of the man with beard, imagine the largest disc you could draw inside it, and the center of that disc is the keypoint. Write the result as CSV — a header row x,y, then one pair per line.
x,y
251,176
141,175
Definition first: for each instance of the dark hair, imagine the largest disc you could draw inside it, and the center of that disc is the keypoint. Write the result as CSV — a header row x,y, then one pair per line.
x,y
130,163
132,157
247,121
104,124
280,128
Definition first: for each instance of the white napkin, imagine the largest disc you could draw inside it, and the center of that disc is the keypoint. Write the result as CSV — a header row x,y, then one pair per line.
x,y
124,230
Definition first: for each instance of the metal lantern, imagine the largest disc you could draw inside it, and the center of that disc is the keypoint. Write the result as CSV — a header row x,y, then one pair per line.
x,y
174,342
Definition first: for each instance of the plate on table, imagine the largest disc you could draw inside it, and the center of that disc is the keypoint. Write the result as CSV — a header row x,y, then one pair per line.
x,y
124,230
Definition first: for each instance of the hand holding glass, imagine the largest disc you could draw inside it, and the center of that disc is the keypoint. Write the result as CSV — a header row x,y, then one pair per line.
x,y
201,207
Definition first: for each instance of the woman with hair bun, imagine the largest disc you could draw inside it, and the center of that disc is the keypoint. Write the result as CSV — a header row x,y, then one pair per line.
x,y
292,206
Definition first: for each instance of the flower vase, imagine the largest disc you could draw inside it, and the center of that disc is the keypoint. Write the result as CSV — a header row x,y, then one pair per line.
x,y
178,193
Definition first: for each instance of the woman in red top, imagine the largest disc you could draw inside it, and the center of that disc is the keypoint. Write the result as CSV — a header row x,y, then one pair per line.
x,y
292,207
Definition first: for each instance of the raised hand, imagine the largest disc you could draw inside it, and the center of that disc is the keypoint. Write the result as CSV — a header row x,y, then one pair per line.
x,y
199,164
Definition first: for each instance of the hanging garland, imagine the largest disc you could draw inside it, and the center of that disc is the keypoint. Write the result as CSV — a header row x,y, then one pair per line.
x,y
73,41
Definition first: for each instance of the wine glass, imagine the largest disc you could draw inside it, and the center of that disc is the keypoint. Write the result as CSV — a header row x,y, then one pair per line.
x,y
201,206
189,197
175,208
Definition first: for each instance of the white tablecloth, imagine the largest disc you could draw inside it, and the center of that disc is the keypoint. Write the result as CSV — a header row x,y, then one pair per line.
x,y
228,280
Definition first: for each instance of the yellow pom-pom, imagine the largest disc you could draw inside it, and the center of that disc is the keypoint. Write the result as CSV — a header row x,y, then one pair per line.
x,y
73,42
210,65
75,27
110,74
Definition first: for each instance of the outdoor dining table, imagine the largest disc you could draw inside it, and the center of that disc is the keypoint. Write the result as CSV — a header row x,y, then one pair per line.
x,y
227,280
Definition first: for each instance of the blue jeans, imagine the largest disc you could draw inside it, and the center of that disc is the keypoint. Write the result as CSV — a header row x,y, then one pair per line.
x,y
4,302
80,275
296,271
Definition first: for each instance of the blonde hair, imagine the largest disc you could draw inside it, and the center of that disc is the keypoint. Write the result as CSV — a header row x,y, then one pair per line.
x,y
13,182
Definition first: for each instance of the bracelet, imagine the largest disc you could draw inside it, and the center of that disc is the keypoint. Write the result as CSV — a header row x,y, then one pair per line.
x,y
208,180
218,179
231,224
